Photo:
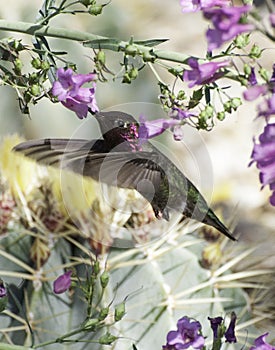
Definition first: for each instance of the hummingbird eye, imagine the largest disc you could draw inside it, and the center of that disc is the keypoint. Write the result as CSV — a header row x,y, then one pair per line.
x,y
119,123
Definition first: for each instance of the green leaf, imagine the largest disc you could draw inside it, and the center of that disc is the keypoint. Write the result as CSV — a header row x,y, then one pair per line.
x,y
150,42
108,43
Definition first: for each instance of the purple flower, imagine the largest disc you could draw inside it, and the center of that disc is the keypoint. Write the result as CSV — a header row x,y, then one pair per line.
x,y
204,73
254,92
180,114
226,22
197,5
62,283
252,79
149,129
260,344
3,291
272,19
215,323
230,332
267,108
69,91
264,155
186,335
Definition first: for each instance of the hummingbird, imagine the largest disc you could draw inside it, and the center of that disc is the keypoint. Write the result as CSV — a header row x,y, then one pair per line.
x,y
122,159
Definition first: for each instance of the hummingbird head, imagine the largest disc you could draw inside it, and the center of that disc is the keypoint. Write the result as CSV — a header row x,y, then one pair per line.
x,y
117,127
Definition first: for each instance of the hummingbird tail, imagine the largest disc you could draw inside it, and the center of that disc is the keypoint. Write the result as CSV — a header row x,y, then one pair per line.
x,y
212,220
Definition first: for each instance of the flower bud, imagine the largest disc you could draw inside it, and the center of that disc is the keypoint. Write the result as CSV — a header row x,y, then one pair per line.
x,y
96,267
247,69
221,116
227,106
107,339
18,65
103,313
119,311
241,41
45,65
62,283
131,50
36,63
264,74
87,2
255,52
35,89
133,73
95,10
91,324
33,78
236,102
101,57
126,78
104,279
181,95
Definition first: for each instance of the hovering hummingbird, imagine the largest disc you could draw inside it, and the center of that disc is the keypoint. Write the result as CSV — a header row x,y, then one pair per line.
x,y
121,159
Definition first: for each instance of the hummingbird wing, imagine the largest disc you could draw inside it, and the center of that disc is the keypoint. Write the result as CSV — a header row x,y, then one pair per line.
x,y
134,170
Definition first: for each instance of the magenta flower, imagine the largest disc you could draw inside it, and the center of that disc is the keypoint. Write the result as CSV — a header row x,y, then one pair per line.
x,y
264,156
204,73
229,334
226,22
186,335
272,19
215,322
267,108
149,129
197,5
254,92
62,283
260,344
252,79
180,114
69,91
3,291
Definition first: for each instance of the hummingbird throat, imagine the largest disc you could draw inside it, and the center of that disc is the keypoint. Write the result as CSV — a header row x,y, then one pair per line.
x,y
132,137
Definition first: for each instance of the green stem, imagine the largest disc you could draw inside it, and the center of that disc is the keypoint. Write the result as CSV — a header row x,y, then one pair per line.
x,y
58,340
4,346
103,42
